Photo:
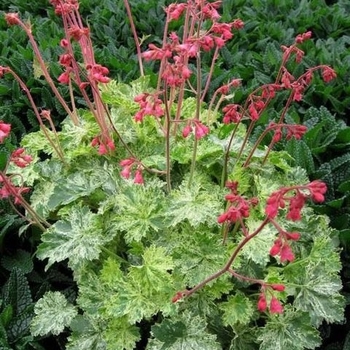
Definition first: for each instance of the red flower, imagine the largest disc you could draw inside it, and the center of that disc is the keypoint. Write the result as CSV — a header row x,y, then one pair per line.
x,y
317,189
302,37
12,18
278,287
4,130
20,158
64,78
200,130
286,253
262,303
275,306
186,130
328,74
138,177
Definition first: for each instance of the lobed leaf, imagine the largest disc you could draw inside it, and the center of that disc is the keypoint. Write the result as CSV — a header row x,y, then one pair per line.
x,y
52,314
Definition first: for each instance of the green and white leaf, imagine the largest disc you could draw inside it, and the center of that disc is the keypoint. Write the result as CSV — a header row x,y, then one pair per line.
x,y
139,210
52,314
317,283
78,238
146,289
201,203
183,332
290,330
120,334
237,309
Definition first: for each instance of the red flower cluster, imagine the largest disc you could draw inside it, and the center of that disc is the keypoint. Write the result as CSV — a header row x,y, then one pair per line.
x,y
98,73
12,18
282,247
232,114
149,105
8,190
239,206
275,306
21,159
278,199
64,7
104,146
4,130
127,165
200,130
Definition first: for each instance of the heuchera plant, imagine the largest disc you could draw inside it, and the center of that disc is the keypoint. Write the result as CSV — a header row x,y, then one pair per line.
x,y
180,231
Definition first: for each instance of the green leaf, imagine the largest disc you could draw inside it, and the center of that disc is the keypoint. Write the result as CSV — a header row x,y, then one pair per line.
x,y
290,330
4,156
52,314
317,283
139,210
120,334
86,334
153,274
146,290
183,332
22,260
237,309
198,253
76,185
6,315
78,238
258,249
199,204
16,292
302,154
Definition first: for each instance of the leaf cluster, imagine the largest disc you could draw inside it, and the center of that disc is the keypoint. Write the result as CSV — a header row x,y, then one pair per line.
x,y
132,247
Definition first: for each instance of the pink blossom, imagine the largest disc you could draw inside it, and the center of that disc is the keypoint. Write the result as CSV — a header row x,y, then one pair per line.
x,y
317,189
64,78
12,18
200,130
4,130
302,37
293,236
77,32
275,306
126,172
138,177
64,43
186,130
21,159
278,287
296,203
262,303
238,23
276,248
296,131
231,114
286,253
328,74
174,11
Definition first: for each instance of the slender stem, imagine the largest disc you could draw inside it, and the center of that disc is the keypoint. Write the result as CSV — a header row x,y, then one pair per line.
x,y
227,156
167,140
136,39
36,218
57,148
197,117
227,266
46,73
211,70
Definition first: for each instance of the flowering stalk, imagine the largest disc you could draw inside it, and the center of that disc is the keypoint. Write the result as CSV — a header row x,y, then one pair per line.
x,y
13,19
57,147
239,209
